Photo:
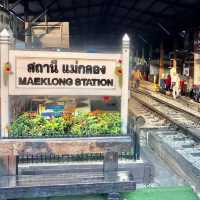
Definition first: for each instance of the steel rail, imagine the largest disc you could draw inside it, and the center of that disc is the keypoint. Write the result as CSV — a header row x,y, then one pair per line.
x,y
187,131
193,115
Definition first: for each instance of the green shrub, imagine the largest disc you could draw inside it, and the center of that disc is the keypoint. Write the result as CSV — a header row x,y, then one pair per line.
x,y
82,124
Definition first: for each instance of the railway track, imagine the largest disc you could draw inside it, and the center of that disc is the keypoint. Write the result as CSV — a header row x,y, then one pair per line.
x,y
168,132
186,121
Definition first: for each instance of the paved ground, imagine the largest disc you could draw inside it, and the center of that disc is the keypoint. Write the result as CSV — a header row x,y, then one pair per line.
x,y
164,176
166,184
161,193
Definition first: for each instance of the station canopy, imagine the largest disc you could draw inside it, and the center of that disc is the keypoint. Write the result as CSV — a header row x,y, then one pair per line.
x,y
108,20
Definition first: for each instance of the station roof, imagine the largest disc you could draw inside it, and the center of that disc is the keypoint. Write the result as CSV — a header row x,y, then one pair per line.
x,y
100,18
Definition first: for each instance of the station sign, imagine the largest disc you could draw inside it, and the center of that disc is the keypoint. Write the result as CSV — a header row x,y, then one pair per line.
x,y
63,72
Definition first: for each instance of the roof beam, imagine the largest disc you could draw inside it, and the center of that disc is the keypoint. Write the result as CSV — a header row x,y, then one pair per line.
x,y
129,10
157,21
76,18
60,8
148,13
145,10
104,12
74,8
15,4
163,28
116,5
44,12
26,10
125,26
88,13
41,4
176,4
13,12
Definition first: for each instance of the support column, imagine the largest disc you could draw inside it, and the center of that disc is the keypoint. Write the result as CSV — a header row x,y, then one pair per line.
x,y
138,122
175,57
196,68
173,70
28,36
110,163
4,58
161,69
196,78
124,95
8,166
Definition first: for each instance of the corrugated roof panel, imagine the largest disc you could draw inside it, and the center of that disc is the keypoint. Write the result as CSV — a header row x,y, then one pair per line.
x,y
159,6
142,4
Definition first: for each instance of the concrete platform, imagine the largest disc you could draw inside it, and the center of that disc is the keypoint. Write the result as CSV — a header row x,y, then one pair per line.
x,y
109,146
61,146
141,171
178,155
14,187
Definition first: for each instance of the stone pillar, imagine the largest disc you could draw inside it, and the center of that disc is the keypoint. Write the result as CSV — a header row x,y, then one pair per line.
x,y
125,81
138,122
8,166
110,161
4,58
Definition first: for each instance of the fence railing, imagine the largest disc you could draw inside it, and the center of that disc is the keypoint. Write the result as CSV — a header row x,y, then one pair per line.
x,y
51,158
134,154
62,136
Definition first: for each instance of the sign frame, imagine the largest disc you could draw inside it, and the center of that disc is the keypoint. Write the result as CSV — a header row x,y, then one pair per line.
x,y
8,56
52,55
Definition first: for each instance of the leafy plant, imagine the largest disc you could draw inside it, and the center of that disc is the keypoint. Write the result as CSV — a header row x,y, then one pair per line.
x,y
81,124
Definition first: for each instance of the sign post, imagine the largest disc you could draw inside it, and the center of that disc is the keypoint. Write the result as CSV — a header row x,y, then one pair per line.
x,y
4,56
125,81
62,73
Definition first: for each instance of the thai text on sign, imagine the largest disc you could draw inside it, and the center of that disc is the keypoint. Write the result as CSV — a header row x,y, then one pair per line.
x,y
56,73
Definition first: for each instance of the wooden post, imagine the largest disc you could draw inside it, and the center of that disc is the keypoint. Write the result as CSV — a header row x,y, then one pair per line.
x,y
124,97
4,58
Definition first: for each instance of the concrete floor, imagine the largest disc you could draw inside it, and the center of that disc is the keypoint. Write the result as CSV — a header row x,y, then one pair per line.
x,y
164,176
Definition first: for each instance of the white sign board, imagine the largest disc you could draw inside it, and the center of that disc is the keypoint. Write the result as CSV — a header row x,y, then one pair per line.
x,y
26,76
61,73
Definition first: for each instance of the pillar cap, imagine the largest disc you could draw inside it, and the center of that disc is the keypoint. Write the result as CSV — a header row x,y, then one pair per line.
x,y
126,37
4,33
